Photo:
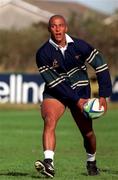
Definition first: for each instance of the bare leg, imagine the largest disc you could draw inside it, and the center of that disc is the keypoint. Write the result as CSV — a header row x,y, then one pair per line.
x,y
85,126
51,111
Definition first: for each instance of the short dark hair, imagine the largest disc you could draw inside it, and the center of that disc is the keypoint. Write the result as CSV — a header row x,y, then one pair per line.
x,y
56,16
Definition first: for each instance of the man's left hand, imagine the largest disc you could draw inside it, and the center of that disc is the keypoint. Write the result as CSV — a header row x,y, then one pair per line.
x,y
103,103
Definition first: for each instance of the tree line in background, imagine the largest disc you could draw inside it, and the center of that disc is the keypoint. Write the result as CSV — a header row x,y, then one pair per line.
x,y
18,48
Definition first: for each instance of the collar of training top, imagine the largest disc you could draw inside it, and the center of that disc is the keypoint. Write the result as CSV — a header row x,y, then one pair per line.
x,y
68,40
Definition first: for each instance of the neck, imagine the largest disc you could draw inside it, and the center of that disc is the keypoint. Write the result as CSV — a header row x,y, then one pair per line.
x,y
62,44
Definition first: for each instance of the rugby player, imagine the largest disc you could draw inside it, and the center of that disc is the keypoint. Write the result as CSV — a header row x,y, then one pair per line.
x,y
61,63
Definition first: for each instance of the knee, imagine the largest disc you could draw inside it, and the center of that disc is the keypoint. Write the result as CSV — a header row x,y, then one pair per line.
x,y
89,135
49,123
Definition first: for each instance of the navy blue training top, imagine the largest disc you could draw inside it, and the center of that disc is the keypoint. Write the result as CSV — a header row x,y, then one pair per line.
x,y
66,76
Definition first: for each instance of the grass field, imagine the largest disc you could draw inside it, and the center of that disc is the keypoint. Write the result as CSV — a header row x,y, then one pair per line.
x,y
20,146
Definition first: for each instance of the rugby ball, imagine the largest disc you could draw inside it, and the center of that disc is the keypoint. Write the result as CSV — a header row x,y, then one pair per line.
x,y
91,109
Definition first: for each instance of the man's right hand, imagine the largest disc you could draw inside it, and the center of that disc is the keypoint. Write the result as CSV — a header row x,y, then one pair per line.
x,y
80,103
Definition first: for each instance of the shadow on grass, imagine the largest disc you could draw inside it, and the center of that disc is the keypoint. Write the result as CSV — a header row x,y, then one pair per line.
x,y
16,174
107,171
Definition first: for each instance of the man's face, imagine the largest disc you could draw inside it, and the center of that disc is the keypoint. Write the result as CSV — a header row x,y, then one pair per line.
x,y
58,28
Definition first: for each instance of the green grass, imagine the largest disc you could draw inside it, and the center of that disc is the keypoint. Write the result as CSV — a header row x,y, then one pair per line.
x,y
20,146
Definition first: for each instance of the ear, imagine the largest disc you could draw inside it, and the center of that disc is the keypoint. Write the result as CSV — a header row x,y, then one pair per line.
x,y
66,29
